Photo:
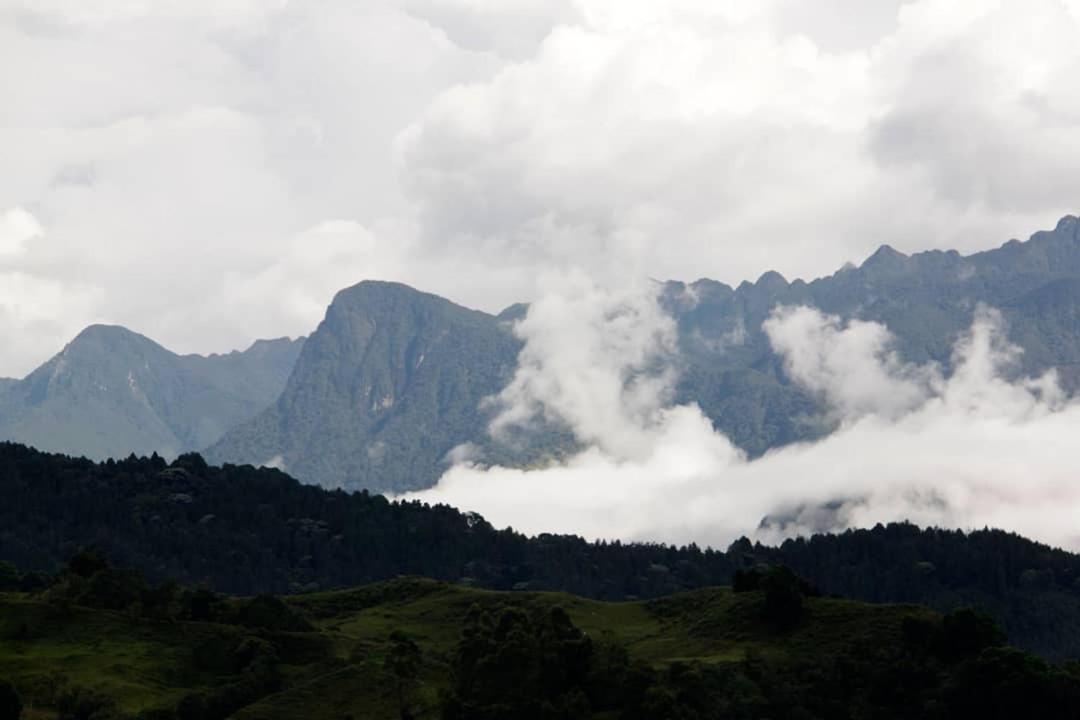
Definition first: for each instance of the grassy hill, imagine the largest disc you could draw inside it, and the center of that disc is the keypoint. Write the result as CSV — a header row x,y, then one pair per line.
x,y
336,668
708,653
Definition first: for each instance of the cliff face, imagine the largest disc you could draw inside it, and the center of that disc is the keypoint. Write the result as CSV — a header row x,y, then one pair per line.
x,y
390,381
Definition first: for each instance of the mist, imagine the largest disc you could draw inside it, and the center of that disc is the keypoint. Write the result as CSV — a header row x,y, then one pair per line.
x,y
967,447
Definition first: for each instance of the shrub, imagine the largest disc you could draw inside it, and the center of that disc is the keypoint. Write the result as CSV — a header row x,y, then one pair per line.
x,y
10,702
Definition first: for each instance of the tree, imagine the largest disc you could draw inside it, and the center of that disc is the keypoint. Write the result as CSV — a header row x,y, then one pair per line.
x,y
10,702
967,632
783,597
87,563
403,663
511,662
9,577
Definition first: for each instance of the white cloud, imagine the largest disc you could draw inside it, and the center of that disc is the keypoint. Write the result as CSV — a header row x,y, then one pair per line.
x,y
723,139
597,360
37,310
17,228
852,367
296,288
511,28
966,450
176,150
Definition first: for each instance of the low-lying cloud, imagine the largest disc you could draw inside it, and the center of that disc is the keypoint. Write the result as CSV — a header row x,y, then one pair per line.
x,y
970,447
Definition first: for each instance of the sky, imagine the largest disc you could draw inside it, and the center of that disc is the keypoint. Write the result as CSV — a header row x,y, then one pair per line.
x,y
208,172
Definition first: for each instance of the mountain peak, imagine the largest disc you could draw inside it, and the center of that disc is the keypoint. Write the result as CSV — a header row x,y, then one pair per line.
x,y
887,257
1069,223
378,288
389,382
103,331
100,338
771,280
514,312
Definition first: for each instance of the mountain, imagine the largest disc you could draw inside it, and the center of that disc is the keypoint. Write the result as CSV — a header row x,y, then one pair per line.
x,y
392,378
388,384
926,300
248,531
112,392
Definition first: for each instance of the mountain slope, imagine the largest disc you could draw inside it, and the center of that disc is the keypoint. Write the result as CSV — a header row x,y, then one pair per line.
x,y
926,300
112,392
390,381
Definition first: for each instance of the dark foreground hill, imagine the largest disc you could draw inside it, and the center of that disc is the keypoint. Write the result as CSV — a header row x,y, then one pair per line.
x,y
100,643
245,530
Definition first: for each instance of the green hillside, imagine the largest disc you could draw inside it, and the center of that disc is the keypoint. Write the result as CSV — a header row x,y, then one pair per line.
x,y
709,653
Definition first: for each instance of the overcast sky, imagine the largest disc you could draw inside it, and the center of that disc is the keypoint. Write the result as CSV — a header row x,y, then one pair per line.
x,y
211,171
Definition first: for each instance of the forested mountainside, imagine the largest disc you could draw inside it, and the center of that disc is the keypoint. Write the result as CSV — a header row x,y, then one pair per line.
x,y
391,380
253,530
97,642
112,392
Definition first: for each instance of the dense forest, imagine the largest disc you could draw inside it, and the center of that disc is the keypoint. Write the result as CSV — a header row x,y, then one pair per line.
x,y
93,642
245,530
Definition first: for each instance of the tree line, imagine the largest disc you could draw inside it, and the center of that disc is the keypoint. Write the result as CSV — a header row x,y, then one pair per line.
x,y
247,530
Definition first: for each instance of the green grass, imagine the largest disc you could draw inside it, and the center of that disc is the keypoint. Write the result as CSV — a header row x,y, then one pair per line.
x,y
336,671
140,663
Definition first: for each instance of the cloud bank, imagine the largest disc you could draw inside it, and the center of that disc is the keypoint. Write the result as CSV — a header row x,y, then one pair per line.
x,y
212,172
966,449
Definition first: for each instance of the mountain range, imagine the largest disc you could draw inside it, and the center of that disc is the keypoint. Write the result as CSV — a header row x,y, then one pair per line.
x,y
393,379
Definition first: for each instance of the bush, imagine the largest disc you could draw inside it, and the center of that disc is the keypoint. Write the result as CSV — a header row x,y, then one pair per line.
x,y
783,597
967,632
78,703
270,613
87,563
9,577
746,580
10,702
